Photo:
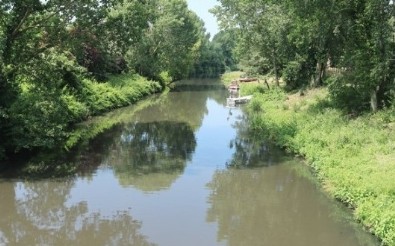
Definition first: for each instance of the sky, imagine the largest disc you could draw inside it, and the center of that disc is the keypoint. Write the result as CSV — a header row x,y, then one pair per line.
x,y
201,7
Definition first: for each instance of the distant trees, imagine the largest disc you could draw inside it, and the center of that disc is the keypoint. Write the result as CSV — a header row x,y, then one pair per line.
x,y
298,39
216,56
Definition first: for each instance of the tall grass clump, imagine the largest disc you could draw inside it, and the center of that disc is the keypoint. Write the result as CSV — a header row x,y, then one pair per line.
x,y
354,157
120,90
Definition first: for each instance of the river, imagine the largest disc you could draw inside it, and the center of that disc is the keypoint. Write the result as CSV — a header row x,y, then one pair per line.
x,y
179,168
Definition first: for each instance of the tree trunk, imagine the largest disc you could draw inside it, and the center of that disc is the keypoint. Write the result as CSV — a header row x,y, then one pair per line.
x,y
373,99
277,76
319,75
267,84
275,68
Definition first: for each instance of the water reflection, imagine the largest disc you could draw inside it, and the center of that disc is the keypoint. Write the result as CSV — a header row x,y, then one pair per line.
x,y
250,150
124,192
273,206
263,199
187,103
150,156
37,213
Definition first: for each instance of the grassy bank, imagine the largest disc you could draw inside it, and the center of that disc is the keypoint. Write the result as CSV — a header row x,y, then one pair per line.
x,y
354,157
60,122
118,91
44,118
61,163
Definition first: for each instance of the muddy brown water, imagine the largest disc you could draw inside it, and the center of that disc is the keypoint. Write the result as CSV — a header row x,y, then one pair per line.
x,y
183,170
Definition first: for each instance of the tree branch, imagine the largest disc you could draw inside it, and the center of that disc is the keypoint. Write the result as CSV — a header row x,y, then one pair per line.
x,y
19,26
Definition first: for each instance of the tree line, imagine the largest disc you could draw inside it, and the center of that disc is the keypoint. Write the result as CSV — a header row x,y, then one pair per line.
x,y
58,58
303,41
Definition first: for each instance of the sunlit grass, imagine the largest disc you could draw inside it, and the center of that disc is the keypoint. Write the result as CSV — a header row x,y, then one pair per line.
x,y
227,78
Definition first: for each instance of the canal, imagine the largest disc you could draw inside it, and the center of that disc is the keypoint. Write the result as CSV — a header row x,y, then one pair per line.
x,y
179,168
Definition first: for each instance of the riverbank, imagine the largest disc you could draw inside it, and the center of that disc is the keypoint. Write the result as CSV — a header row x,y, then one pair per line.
x,y
354,157
48,122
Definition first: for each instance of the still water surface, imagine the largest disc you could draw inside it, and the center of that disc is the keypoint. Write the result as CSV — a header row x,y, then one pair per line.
x,y
181,170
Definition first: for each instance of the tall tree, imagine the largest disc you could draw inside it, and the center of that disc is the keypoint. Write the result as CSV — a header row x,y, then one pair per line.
x,y
263,28
226,42
211,62
172,41
368,50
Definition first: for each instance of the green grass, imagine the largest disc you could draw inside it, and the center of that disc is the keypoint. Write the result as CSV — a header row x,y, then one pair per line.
x,y
354,158
119,91
43,118
228,77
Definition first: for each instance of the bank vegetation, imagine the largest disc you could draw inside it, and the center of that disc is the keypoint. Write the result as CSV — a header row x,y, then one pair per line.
x,y
353,156
332,64
65,61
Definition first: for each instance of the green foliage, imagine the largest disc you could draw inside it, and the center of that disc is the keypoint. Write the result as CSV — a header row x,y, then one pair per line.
x,y
347,94
292,74
216,56
354,158
225,41
298,39
39,119
53,53
120,91
42,118
296,73
171,42
252,88
254,64
227,78
165,78
262,37
210,63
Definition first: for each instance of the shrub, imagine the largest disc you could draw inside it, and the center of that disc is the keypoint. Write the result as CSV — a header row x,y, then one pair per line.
x,y
39,119
346,93
296,74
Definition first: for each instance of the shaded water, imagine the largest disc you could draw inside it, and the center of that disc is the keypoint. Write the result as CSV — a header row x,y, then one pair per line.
x,y
180,170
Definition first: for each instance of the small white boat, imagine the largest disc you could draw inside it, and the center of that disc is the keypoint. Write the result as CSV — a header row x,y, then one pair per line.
x,y
233,101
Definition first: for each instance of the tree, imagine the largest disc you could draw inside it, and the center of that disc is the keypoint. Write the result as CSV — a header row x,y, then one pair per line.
x,y
299,39
263,29
313,34
366,33
226,42
171,43
211,62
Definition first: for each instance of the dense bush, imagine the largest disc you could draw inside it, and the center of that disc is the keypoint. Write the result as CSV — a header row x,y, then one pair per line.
x,y
346,93
43,119
292,74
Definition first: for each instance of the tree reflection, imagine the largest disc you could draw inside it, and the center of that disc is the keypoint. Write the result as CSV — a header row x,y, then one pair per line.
x,y
246,205
36,213
251,150
184,107
212,88
150,156
261,200
274,206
